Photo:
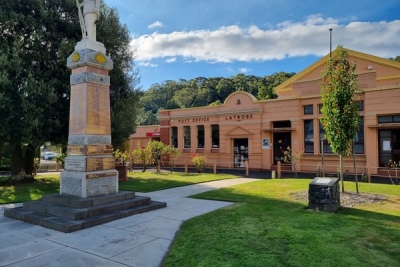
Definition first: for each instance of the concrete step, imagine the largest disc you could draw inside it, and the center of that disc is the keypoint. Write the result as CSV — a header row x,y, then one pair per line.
x,y
65,217
82,213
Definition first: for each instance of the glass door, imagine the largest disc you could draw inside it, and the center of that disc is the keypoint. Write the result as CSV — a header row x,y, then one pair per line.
x,y
389,146
281,142
240,152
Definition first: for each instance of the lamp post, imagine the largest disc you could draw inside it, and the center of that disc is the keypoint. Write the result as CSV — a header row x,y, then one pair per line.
x,y
330,43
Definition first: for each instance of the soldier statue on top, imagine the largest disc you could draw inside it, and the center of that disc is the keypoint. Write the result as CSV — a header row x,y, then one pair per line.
x,y
89,11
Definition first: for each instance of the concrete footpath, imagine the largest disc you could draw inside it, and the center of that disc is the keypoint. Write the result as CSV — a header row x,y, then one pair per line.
x,y
139,241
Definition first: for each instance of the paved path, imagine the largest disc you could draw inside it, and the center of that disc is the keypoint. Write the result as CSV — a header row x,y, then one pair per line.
x,y
139,241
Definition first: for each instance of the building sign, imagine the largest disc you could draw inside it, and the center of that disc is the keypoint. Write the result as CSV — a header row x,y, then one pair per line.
x,y
239,117
193,120
265,143
152,134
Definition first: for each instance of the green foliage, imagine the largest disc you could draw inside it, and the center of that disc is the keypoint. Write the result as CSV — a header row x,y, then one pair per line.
x,y
202,91
172,153
200,162
43,185
60,159
36,37
124,77
340,107
143,155
397,58
154,151
268,83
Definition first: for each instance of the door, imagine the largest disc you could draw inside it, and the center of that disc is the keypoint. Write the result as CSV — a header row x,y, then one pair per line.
x,y
281,142
240,152
389,146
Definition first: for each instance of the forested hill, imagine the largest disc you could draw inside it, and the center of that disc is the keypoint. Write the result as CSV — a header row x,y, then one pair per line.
x,y
202,91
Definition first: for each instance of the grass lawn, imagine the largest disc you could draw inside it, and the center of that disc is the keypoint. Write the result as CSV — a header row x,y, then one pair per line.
x,y
45,184
138,181
151,181
267,227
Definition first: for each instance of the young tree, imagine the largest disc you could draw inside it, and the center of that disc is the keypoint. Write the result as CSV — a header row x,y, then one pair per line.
x,y
340,108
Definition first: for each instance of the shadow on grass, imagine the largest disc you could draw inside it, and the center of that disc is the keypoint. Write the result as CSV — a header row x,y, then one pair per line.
x,y
28,191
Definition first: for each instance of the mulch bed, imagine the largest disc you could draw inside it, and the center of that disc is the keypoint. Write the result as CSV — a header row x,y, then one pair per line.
x,y
347,199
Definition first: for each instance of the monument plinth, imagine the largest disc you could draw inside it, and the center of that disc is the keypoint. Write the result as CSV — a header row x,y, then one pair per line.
x,y
89,165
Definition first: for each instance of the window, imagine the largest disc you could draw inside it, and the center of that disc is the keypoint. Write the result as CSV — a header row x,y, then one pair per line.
x,y
359,140
308,136
200,136
360,105
327,148
389,119
215,136
174,137
308,110
186,136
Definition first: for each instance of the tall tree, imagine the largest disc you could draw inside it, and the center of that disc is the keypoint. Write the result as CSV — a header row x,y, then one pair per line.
x,y
36,37
32,77
340,108
266,87
124,90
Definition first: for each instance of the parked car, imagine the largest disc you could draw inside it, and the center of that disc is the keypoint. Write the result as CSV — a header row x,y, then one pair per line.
x,y
49,155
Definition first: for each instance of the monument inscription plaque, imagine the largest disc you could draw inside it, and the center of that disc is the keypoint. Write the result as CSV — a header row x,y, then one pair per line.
x,y
76,150
96,164
324,195
99,149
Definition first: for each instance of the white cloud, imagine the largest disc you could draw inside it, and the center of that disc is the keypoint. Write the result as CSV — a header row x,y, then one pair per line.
x,y
147,64
170,60
155,25
244,70
288,39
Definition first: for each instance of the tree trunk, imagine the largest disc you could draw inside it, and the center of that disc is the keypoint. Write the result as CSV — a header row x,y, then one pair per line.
x,y
21,165
17,165
341,170
29,159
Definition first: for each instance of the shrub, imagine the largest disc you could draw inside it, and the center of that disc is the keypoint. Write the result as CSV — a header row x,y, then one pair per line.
x,y
199,161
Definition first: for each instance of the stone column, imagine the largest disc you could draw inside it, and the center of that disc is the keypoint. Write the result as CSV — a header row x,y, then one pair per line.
x,y
89,165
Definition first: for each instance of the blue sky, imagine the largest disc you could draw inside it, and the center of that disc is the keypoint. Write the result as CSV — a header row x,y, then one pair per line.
x,y
185,39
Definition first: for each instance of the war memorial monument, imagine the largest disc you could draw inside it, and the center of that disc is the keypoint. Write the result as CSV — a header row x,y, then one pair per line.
x,y
89,192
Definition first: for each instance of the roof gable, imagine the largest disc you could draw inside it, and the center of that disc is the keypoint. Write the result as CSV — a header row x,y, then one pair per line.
x,y
238,131
311,75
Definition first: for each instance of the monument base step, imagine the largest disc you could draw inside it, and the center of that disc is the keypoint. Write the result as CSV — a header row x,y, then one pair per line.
x,y
69,214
